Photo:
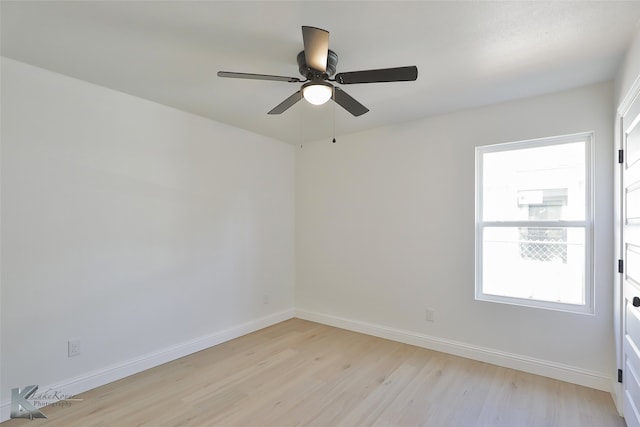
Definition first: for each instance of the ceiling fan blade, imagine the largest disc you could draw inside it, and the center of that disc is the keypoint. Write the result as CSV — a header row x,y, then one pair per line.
x,y
316,47
287,103
398,74
348,103
258,77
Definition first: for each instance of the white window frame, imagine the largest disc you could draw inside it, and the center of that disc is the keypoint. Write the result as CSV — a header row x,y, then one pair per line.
x,y
586,224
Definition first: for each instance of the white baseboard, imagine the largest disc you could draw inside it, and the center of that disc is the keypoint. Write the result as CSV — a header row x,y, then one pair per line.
x,y
531,365
97,378
616,394
112,373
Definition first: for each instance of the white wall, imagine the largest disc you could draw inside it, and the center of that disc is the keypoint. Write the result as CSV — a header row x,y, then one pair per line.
x,y
385,229
629,70
132,226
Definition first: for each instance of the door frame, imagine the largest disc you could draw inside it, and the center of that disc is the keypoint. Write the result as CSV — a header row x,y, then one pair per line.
x,y
618,226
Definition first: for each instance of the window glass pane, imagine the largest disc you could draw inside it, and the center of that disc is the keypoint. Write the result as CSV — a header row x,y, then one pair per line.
x,y
538,183
545,264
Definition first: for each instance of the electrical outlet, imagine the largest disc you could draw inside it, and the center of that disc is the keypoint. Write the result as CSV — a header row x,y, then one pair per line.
x,y
73,347
265,299
429,315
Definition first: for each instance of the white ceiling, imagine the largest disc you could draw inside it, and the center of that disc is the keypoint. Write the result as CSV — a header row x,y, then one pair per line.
x,y
468,54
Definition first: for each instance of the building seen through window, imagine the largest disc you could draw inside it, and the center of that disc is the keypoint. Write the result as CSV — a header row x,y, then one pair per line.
x,y
533,223
543,244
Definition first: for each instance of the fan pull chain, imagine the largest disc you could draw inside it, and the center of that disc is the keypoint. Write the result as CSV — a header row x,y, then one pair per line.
x,y
334,123
300,128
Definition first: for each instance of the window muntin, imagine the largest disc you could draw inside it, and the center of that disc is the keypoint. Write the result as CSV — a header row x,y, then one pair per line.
x,y
533,223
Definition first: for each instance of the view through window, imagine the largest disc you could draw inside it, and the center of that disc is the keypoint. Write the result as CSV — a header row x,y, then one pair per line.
x,y
533,223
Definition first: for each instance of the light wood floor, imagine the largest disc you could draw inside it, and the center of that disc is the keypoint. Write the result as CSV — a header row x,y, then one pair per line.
x,y
299,373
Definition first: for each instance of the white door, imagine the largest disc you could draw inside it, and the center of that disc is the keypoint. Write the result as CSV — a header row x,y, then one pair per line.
x,y
631,259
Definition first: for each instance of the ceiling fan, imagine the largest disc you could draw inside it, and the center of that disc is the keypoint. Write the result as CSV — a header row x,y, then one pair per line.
x,y
317,63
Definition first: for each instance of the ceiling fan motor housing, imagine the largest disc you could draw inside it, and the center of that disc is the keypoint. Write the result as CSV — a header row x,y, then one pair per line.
x,y
310,73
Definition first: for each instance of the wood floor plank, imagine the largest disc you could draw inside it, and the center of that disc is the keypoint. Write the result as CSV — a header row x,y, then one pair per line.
x,y
299,373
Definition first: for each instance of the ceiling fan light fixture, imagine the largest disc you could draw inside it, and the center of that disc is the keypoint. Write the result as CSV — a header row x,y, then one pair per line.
x,y
317,93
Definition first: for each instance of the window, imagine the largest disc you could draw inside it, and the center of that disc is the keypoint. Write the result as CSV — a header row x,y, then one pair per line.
x,y
534,223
